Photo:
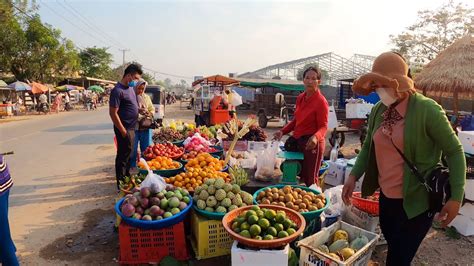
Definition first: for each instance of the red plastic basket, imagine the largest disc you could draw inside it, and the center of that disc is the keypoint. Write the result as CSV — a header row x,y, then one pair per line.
x,y
139,246
366,205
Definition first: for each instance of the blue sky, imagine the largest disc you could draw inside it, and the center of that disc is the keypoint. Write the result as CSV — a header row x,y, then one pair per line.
x,y
189,38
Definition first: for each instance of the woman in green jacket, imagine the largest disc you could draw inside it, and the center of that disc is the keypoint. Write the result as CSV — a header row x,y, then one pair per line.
x,y
418,127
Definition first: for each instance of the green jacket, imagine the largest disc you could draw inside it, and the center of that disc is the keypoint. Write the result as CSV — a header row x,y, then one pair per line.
x,y
427,134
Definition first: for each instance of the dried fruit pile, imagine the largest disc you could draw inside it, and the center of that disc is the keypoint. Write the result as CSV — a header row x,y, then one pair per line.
x,y
293,198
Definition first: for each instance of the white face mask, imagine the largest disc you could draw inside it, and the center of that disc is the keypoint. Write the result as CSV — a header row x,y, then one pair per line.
x,y
385,97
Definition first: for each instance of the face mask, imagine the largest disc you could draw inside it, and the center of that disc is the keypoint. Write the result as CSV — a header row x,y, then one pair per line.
x,y
385,97
132,83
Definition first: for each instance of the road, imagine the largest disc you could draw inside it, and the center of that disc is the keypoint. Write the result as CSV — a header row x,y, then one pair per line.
x,y
62,172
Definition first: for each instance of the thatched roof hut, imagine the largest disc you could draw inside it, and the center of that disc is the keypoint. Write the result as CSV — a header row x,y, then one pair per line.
x,y
451,73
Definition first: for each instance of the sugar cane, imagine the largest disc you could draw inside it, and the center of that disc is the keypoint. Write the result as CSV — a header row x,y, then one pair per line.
x,y
233,127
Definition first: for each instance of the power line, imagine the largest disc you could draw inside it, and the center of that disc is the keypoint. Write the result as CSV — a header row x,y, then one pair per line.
x,y
60,15
97,34
98,29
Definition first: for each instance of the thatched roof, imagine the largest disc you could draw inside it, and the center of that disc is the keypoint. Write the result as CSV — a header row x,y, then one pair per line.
x,y
452,70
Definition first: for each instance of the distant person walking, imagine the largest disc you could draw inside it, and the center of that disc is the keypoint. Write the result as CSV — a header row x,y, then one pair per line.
x,y
123,110
7,247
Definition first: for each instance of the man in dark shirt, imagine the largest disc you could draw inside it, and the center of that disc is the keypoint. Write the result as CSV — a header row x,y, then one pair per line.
x,y
123,110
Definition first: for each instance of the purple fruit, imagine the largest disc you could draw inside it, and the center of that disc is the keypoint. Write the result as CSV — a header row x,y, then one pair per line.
x,y
137,216
155,211
128,196
132,200
182,205
161,212
169,187
155,201
135,189
154,188
128,209
145,192
139,210
147,218
144,202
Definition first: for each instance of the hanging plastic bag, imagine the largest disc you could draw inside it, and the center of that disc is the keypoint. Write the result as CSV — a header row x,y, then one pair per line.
x,y
266,163
155,182
236,99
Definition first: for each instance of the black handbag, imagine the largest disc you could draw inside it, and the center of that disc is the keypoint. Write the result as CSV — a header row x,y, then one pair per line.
x,y
145,123
292,143
436,183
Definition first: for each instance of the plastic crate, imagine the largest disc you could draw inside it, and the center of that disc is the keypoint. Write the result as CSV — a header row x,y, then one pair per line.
x,y
139,246
366,205
210,237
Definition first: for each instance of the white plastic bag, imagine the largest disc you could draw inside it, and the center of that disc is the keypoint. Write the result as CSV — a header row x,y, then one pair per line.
x,y
266,162
334,194
155,182
236,99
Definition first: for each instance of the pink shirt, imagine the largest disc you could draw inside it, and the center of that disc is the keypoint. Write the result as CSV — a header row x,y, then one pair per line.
x,y
389,162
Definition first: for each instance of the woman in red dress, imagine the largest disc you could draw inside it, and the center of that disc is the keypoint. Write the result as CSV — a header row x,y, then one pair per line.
x,y
309,125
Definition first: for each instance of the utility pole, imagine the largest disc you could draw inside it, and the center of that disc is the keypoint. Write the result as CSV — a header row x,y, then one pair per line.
x,y
123,53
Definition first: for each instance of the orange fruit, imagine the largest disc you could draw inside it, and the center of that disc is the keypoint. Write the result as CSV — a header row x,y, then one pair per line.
x,y
193,180
186,180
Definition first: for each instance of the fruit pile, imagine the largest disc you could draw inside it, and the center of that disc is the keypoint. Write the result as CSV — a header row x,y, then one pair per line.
x,y
292,198
149,204
238,175
338,246
205,160
130,182
163,149
160,163
167,134
263,224
206,132
217,196
190,155
199,144
255,133
195,177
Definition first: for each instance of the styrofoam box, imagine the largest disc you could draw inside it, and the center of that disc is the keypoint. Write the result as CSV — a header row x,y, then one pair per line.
x,y
464,222
259,257
358,110
467,141
469,190
359,218
335,173
358,185
310,255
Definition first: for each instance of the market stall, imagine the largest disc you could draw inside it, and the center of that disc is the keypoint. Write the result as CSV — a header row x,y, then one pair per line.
x,y
209,108
200,177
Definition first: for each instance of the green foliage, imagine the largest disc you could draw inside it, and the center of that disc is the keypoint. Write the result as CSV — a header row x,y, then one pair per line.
x,y
434,31
30,49
95,62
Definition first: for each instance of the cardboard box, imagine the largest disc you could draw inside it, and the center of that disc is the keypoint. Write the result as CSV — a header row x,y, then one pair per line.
x,y
464,222
469,189
467,141
336,172
311,256
359,218
259,257
358,110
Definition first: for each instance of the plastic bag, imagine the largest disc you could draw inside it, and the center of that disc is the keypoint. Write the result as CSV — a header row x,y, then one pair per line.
x,y
266,162
155,182
236,99
336,207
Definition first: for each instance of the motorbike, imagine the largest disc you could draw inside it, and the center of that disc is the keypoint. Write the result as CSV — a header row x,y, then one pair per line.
x,y
42,108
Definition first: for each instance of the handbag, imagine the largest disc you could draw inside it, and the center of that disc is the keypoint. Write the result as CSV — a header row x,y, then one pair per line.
x,y
436,183
292,143
145,123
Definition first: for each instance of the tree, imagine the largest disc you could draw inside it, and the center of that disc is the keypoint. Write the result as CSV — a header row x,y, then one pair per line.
x,y
324,73
149,78
95,62
31,50
168,83
434,31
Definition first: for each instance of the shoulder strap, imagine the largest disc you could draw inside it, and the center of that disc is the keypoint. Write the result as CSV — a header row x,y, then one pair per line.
x,y
412,167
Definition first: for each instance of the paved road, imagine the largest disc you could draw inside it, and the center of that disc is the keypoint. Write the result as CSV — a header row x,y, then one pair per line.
x,y
61,169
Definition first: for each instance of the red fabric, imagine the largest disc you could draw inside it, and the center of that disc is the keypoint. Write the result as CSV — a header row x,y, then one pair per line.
x,y
311,163
311,117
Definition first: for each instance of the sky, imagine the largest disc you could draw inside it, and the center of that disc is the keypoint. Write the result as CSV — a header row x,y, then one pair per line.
x,y
198,38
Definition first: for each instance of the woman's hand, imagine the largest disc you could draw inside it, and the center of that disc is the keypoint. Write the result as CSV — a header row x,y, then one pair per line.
x,y
449,211
348,188
312,143
278,135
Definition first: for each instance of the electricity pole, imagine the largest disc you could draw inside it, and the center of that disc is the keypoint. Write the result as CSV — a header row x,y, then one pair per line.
x,y
123,53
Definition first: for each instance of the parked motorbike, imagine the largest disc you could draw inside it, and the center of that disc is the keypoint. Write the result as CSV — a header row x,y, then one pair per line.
x,y
42,108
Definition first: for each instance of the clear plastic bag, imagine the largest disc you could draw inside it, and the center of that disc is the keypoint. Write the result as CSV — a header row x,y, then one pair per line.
x,y
236,99
155,182
266,162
